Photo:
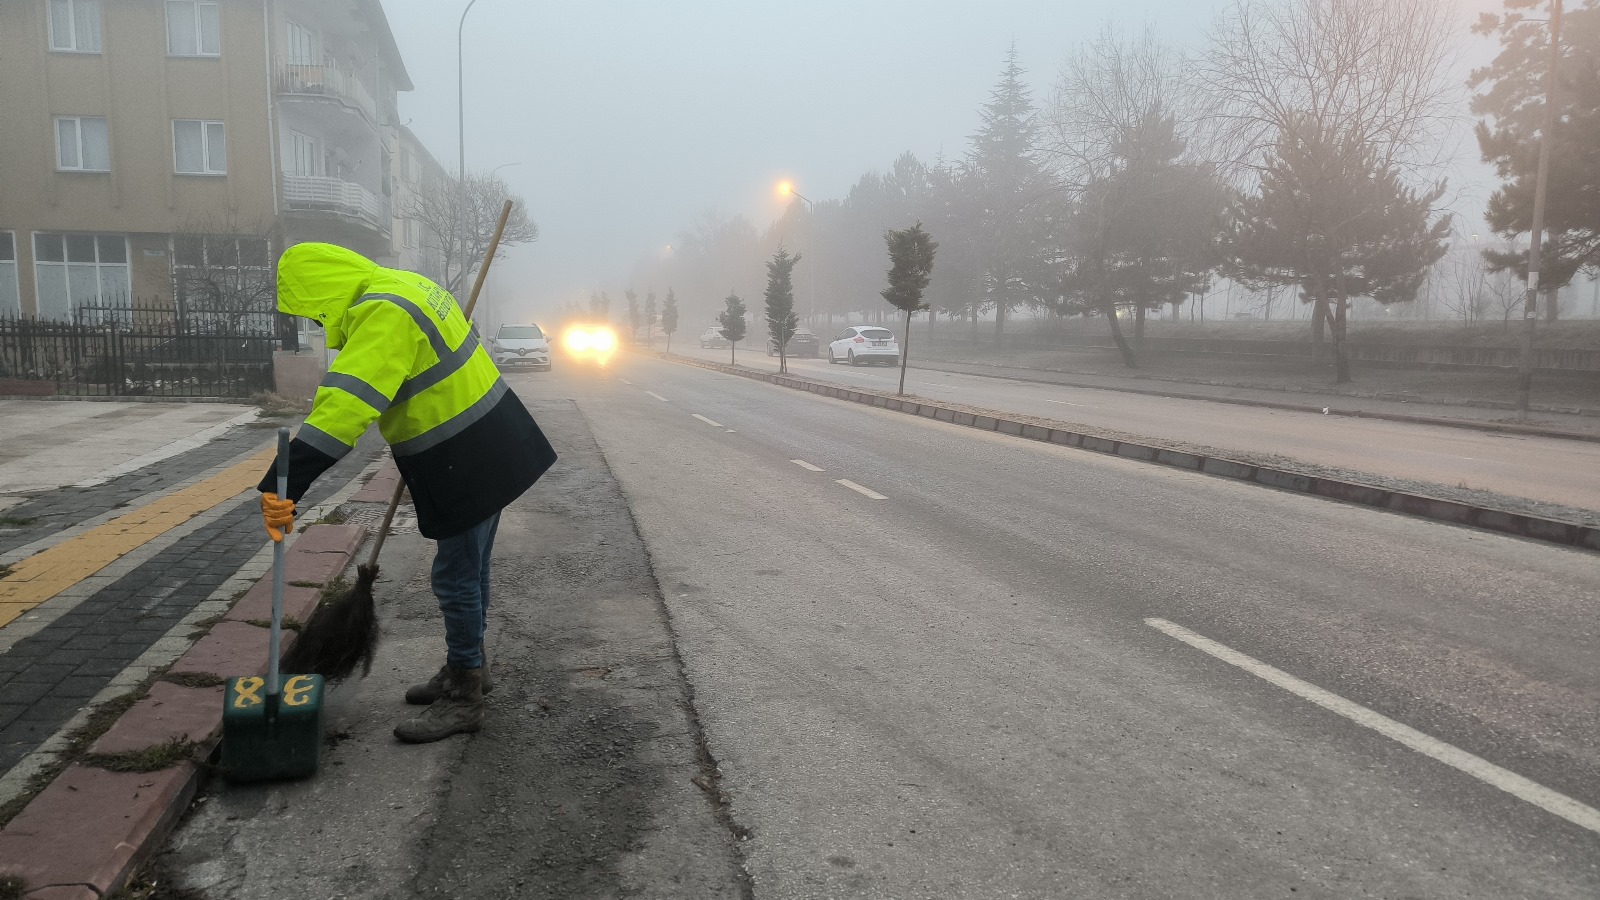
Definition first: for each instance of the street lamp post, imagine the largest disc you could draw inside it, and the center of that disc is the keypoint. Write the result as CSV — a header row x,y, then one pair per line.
x,y
461,150
811,248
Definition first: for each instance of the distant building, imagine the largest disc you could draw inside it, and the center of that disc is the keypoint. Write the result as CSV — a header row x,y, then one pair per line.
x,y
150,143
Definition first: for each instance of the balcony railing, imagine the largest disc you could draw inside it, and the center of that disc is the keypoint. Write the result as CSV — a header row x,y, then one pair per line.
x,y
326,81
316,193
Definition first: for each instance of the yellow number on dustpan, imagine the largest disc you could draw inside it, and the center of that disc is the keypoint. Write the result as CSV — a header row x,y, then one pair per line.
x,y
247,691
297,690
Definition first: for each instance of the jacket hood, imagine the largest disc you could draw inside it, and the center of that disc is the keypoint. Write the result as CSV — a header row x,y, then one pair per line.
x,y
320,281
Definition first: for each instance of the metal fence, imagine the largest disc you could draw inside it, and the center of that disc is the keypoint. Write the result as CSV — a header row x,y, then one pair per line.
x,y
127,351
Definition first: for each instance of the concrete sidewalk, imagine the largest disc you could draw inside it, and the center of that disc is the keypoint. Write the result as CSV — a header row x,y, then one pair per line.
x,y
51,444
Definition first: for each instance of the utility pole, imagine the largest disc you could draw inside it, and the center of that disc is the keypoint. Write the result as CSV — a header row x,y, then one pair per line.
x,y
1536,233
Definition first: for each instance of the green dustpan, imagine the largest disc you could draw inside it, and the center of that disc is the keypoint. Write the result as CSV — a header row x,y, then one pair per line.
x,y
272,728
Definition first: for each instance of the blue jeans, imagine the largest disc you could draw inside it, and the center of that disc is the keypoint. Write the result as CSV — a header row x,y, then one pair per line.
x,y
461,582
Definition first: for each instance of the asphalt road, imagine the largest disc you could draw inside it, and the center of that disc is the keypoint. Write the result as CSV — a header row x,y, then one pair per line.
x,y
935,662
1548,469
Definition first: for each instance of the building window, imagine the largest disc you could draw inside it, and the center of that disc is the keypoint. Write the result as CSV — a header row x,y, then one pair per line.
x,y
75,26
10,295
302,45
300,156
193,28
74,271
82,144
199,147
224,280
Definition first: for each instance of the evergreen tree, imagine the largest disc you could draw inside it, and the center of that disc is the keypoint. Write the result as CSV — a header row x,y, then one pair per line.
x,y
733,325
1010,190
633,315
1512,104
669,317
781,318
649,315
1332,216
911,265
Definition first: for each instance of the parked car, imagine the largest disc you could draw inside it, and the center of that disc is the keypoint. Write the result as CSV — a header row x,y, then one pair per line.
x,y
802,343
712,337
861,345
521,345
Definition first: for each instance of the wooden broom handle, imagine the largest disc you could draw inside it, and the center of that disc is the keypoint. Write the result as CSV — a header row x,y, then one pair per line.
x,y
472,302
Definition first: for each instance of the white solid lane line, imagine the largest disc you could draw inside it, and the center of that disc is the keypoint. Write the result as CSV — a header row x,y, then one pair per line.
x,y
707,421
624,381
657,396
805,465
1062,402
861,490
1517,786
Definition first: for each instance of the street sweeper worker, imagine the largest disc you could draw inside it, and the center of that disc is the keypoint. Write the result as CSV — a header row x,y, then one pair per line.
x,y
465,445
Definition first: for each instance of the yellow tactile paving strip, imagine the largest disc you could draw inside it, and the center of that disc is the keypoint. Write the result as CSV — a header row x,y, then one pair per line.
x,y
49,572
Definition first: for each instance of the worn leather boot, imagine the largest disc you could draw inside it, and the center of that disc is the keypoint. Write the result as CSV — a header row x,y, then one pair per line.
x,y
458,711
434,688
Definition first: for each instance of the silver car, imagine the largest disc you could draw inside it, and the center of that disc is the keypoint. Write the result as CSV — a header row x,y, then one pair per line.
x,y
521,345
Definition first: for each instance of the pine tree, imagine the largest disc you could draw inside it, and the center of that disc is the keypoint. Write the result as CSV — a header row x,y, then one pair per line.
x,y
733,325
781,318
1512,104
1010,188
649,315
633,315
910,268
669,317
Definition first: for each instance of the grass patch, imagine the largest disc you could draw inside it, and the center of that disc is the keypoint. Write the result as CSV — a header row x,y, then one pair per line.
x,y
314,584
4,570
335,590
150,759
17,521
195,679
12,887
77,747
337,517
289,623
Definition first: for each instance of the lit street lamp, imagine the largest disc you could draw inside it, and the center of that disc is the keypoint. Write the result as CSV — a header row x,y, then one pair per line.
x,y
786,188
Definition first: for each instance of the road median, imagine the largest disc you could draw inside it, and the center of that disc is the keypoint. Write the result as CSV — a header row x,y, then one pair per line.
x,y
1541,528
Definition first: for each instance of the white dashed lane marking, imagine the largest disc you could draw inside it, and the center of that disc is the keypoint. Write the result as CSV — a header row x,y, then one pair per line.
x,y
708,421
1517,786
657,396
805,465
861,490
624,381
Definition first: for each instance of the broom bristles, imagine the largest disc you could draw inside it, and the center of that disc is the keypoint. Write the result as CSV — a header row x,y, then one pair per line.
x,y
342,634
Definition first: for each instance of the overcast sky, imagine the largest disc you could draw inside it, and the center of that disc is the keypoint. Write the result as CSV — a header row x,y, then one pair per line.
x,y
620,121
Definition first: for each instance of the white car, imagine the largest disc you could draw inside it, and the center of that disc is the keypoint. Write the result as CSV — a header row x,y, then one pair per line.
x,y
861,345
520,345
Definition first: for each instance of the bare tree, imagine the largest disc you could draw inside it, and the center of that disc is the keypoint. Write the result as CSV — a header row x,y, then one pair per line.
x,y
464,222
223,276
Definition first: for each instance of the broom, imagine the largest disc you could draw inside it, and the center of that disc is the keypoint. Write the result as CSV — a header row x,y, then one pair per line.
x,y
343,631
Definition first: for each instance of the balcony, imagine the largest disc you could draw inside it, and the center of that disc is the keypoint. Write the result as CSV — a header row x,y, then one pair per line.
x,y
332,82
321,194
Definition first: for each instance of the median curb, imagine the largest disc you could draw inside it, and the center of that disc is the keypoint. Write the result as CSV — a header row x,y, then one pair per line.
x,y
91,828
1455,512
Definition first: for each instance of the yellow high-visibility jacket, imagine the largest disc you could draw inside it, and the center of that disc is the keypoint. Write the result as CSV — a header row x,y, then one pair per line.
x,y
409,360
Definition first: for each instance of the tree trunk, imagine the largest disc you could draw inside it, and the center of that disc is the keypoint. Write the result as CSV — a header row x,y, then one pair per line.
x,y
905,351
1138,327
732,349
1552,305
1341,363
1175,306
1128,357
972,313
931,314
1319,316
999,324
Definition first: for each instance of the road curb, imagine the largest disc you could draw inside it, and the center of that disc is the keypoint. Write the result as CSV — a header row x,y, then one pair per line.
x,y
1488,518
87,832
1501,427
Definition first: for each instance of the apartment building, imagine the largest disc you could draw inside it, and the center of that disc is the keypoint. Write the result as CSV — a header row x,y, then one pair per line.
x,y
148,141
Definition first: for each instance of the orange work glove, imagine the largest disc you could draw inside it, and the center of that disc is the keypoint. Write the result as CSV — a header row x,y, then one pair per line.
x,y
277,514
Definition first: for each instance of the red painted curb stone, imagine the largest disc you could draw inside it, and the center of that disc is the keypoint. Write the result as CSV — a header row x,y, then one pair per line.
x,y
256,604
322,553
169,711
60,841
231,648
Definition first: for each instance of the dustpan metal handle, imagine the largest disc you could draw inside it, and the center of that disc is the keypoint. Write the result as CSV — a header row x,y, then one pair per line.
x,y
277,571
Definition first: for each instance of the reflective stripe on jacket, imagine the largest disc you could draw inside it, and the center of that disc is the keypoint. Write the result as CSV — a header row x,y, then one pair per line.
x,y
410,361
